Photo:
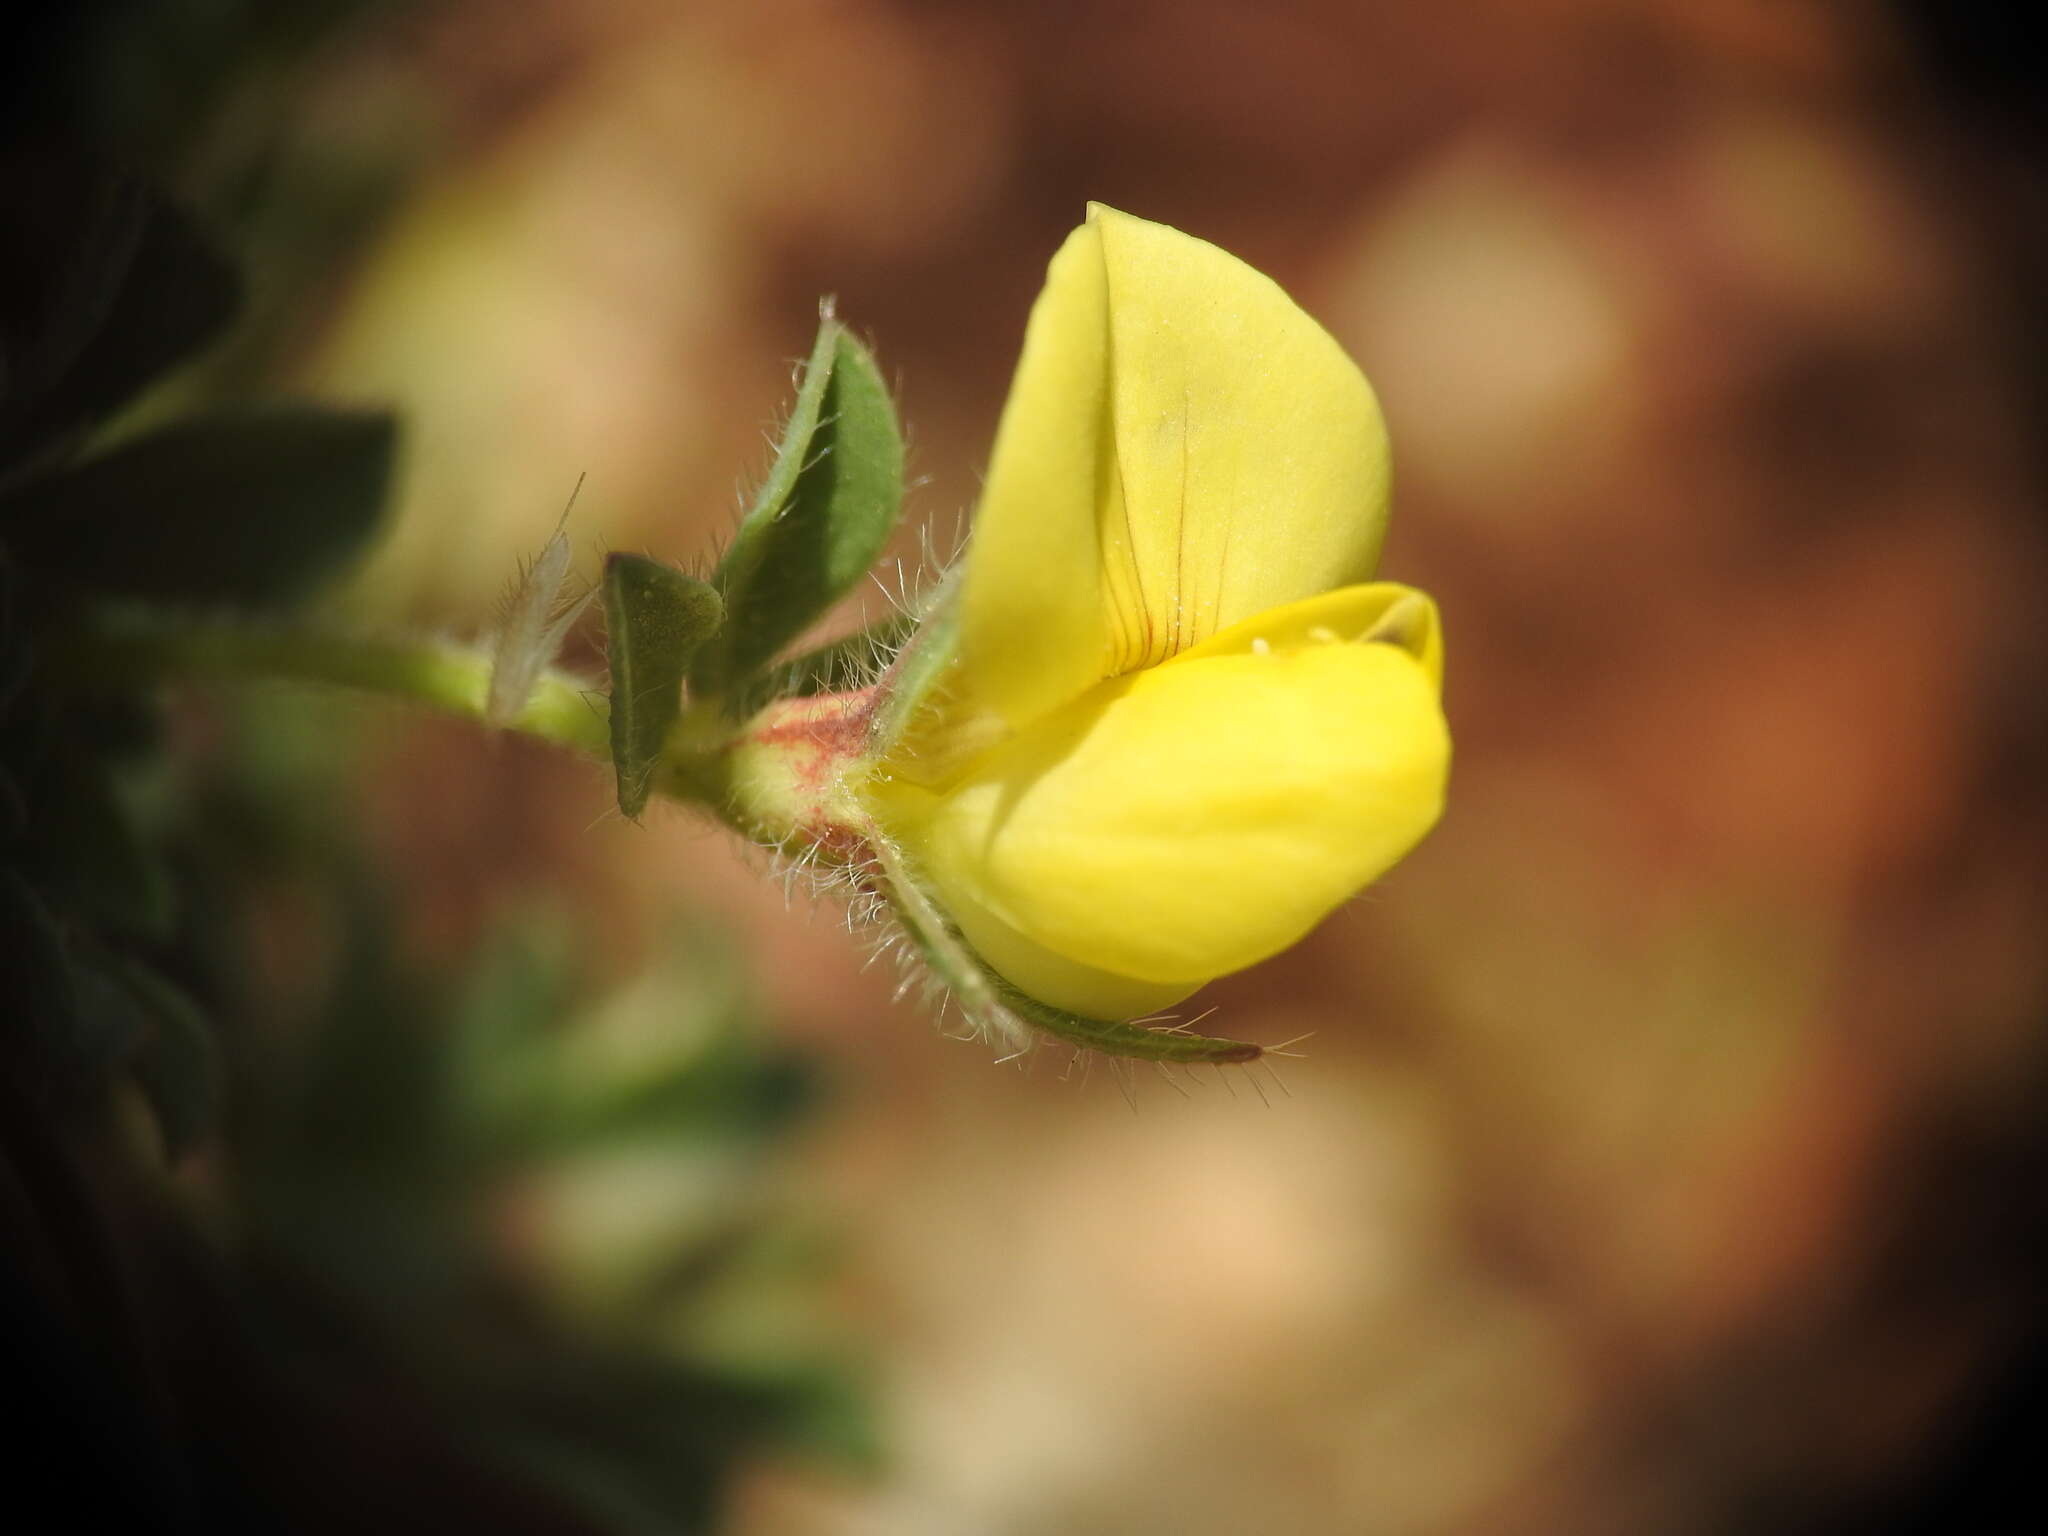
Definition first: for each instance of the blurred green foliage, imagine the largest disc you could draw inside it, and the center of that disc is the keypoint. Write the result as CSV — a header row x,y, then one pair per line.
x,y
329,1263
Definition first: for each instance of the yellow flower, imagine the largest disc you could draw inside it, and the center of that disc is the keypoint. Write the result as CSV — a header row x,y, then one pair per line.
x,y
1176,725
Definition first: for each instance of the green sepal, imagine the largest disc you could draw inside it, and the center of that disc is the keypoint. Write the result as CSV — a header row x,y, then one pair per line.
x,y
921,663
828,506
1113,1037
251,508
852,661
656,619
993,1003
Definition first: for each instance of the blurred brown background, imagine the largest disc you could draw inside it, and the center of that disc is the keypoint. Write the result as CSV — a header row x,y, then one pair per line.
x,y
1663,1156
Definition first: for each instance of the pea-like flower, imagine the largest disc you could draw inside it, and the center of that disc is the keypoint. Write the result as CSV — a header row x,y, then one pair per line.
x,y
1155,726
1163,723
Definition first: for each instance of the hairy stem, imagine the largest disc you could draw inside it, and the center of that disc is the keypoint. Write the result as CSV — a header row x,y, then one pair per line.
x,y
441,674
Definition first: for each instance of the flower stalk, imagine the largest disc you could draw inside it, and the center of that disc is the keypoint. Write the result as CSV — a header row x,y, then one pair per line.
x,y
140,646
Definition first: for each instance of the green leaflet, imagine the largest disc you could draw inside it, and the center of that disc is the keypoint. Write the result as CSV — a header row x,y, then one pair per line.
x,y
852,661
828,506
655,618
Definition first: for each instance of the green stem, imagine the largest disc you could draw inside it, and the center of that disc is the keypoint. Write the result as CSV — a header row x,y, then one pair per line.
x,y
563,708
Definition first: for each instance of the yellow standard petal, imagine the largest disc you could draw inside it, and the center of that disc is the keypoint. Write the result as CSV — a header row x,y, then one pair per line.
x,y
1183,448
1181,822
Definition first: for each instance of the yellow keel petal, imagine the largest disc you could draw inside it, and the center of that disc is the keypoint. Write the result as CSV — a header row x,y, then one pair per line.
x,y
1187,821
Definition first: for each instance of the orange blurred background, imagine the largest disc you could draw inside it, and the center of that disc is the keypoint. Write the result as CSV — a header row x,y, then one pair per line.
x,y
1656,1160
